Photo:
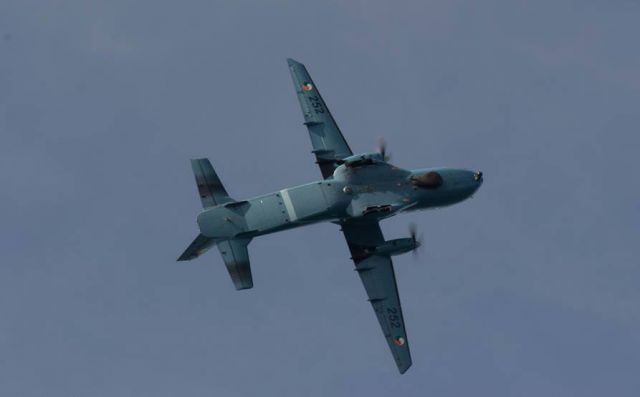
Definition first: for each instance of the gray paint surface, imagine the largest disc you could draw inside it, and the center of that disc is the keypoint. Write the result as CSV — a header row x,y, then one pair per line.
x,y
531,289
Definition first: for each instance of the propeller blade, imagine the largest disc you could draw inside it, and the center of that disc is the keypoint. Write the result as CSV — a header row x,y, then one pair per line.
x,y
382,149
413,231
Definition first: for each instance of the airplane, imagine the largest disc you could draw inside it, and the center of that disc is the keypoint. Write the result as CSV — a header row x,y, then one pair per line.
x,y
357,192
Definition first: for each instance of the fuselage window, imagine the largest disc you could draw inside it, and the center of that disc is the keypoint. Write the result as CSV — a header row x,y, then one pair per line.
x,y
429,180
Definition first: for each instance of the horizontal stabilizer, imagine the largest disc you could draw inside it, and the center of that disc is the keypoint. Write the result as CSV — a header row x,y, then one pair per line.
x,y
236,257
210,188
199,246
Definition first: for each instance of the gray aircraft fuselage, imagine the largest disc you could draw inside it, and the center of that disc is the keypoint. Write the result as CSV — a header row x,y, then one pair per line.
x,y
356,192
376,190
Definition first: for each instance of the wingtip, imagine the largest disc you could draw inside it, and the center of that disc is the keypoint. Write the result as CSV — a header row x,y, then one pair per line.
x,y
404,365
292,62
403,369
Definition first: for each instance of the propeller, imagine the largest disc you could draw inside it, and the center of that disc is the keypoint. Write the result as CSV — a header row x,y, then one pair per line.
x,y
382,149
417,240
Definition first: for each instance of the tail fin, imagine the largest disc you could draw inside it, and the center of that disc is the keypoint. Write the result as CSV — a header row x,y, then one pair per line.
x,y
236,257
210,188
199,246
234,253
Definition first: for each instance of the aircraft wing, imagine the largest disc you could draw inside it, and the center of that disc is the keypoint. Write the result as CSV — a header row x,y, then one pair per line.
x,y
329,146
378,277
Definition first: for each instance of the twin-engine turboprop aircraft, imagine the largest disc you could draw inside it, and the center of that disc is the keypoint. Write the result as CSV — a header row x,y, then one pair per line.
x,y
356,192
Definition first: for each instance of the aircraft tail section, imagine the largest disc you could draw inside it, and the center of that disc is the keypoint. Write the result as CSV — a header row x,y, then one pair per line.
x,y
210,188
220,225
199,246
236,258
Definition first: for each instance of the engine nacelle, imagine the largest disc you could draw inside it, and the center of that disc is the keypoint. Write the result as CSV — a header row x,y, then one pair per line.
x,y
363,159
397,246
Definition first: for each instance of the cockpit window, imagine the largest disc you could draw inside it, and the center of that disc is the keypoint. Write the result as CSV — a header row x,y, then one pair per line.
x,y
429,180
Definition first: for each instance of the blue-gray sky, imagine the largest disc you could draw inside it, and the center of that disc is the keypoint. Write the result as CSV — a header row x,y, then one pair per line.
x,y
529,289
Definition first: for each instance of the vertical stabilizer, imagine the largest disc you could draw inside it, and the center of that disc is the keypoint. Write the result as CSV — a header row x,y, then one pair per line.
x,y
199,246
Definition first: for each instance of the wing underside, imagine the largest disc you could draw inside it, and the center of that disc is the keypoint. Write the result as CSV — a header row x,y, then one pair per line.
x,y
378,277
329,145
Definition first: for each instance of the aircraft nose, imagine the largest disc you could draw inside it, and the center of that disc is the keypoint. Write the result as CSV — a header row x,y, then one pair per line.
x,y
477,176
473,180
